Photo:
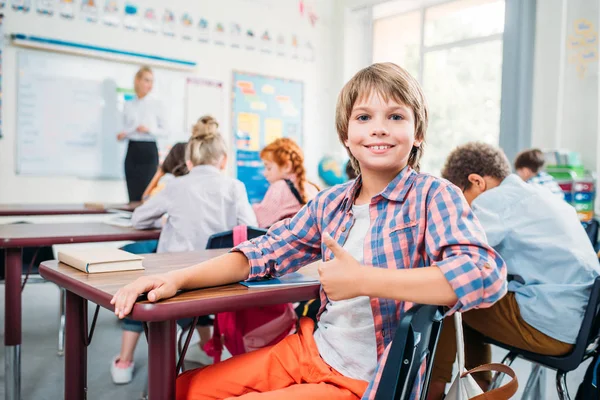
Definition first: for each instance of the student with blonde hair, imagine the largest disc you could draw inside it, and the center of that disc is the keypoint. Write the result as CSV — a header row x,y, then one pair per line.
x,y
197,205
289,189
389,239
143,122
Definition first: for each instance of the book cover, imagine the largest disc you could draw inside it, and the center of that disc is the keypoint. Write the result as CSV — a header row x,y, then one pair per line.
x,y
101,260
293,279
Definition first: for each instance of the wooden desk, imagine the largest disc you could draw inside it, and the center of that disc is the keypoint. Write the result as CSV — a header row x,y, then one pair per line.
x,y
11,210
13,237
161,316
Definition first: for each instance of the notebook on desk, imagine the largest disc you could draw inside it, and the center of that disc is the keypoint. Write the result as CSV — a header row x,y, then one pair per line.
x,y
101,260
293,279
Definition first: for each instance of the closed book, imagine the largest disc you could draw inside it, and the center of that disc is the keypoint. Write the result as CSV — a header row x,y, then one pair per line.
x,y
293,279
97,260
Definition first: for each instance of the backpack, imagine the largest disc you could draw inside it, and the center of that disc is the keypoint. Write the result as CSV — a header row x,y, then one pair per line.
x,y
588,390
250,329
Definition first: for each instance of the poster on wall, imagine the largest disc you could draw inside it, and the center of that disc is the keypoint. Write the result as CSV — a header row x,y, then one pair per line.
x,y
280,47
131,18
21,5
250,39
203,31
235,35
219,35
294,47
45,7
149,22
187,26
89,10
111,13
168,23
263,109
266,43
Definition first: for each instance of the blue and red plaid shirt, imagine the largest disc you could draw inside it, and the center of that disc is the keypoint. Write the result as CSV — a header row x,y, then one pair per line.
x,y
417,221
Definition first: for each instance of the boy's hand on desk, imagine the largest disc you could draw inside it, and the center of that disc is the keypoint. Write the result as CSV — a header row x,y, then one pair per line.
x,y
341,276
157,286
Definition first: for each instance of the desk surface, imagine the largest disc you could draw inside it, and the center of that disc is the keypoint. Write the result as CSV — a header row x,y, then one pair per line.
x,y
25,235
61,209
99,288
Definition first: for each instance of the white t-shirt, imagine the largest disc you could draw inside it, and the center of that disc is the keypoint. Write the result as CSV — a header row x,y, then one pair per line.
x,y
346,334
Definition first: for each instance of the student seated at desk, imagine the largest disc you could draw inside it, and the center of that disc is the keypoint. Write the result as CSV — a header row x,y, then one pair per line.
x,y
551,264
398,237
289,189
197,205
529,164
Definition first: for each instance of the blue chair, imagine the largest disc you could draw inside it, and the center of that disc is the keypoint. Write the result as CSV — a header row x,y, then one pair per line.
x,y
415,341
586,344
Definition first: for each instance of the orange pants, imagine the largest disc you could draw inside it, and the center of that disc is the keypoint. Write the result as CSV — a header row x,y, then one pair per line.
x,y
291,369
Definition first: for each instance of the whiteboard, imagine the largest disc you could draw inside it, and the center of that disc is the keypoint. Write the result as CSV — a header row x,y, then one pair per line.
x,y
69,111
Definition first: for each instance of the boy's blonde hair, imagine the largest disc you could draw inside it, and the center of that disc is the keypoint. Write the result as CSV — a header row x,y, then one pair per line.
x,y
389,81
206,146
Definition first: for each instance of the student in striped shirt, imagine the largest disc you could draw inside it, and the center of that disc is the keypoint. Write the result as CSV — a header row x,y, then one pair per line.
x,y
391,238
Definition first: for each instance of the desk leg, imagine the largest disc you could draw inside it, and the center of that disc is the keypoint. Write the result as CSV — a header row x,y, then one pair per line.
x,y
161,360
75,349
12,324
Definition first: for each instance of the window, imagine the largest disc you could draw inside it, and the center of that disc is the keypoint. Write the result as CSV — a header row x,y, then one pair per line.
x,y
455,50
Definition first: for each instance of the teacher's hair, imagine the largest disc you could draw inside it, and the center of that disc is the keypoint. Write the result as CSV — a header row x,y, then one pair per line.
x,y
206,146
143,69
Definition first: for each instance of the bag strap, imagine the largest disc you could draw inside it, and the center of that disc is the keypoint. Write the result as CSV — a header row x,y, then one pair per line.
x,y
240,234
294,190
460,342
503,392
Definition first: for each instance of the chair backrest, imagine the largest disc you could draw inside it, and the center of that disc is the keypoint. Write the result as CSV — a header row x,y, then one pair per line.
x,y
224,240
591,317
414,343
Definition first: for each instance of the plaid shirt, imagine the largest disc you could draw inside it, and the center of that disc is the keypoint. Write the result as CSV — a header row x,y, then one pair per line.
x,y
417,221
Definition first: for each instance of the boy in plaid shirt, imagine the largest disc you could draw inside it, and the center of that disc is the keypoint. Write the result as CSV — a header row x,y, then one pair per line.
x,y
391,238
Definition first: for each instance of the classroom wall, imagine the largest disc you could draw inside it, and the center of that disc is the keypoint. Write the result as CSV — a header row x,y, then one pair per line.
x,y
565,98
321,78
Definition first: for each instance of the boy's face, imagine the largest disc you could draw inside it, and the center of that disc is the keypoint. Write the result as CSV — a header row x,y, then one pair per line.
x,y
381,134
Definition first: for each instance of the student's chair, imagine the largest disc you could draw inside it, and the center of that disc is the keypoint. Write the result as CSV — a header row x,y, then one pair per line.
x,y
224,240
414,343
586,344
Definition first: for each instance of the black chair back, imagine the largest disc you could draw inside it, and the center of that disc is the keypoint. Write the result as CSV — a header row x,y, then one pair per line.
x,y
224,240
415,341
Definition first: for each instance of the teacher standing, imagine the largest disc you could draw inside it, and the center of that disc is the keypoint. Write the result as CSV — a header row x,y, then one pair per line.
x,y
142,123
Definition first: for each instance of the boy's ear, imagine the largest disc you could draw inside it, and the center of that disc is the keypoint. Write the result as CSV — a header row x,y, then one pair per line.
x,y
478,182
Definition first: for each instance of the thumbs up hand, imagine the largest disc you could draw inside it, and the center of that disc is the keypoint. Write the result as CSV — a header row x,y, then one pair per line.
x,y
342,277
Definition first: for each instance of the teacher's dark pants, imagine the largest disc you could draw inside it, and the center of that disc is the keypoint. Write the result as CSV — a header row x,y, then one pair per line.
x,y
141,163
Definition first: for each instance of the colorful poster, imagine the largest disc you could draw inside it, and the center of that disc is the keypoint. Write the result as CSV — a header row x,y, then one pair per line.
x,y
264,109
203,31
111,15
131,18
583,45
250,39
294,47
21,5
219,35
235,36
266,43
187,26
45,7
89,10
149,22
168,23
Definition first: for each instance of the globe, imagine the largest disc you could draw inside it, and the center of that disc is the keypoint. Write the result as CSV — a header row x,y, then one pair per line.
x,y
331,171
